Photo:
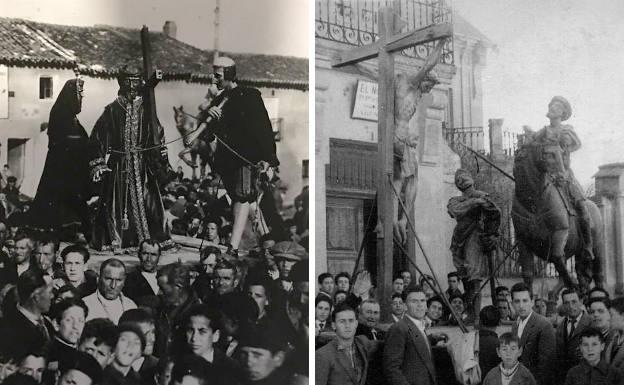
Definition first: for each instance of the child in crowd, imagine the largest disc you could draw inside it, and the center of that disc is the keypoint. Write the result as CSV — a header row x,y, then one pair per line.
x,y
592,369
510,368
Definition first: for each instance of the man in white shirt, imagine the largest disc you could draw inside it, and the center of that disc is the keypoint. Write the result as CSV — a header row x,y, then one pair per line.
x,y
108,300
536,333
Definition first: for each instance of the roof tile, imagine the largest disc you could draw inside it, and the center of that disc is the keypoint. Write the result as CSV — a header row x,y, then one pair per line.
x,y
103,50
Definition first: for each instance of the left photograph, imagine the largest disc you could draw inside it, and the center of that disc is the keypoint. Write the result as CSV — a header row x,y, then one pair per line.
x,y
154,192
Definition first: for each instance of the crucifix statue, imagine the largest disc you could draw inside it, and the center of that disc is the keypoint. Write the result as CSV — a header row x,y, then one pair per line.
x,y
398,99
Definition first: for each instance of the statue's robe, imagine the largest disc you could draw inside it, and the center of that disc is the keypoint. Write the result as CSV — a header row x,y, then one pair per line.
x,y
475,220
130,208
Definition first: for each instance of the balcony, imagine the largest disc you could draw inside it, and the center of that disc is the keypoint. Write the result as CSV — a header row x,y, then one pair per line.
x,y
354,22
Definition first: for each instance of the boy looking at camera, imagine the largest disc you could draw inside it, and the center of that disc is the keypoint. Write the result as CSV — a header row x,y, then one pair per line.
x,y
509,351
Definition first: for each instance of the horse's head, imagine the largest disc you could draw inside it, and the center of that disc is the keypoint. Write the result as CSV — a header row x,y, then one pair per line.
x,y
180,119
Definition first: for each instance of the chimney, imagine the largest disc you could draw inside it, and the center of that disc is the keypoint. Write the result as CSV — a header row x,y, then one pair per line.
x,y
170,29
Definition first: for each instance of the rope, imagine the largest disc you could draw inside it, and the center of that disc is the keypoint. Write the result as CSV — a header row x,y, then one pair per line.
x,y
165,144
411,225
437,291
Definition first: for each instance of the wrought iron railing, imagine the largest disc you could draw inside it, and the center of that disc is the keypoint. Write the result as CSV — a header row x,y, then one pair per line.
x,y
511,267
469,136
510,143
355,22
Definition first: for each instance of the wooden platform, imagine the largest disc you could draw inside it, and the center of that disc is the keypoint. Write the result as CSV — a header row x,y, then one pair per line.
x,y
186,251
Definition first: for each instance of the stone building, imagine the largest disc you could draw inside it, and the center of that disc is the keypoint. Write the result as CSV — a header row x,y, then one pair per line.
x,y
37,58
346,143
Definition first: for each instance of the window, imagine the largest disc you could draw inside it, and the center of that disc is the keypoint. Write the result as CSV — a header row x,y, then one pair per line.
x,y
305,169
45,87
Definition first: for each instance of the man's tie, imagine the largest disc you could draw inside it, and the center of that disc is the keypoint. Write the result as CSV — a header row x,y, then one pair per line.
x,y
42,329
572,324
374,333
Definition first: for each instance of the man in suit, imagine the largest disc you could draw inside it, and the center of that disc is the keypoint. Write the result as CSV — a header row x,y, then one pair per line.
x,y
326,286
346,359
568,332
536,333
15,264
26,329
407,355
370,312
614,352
397,307
453,284
141,284
598,309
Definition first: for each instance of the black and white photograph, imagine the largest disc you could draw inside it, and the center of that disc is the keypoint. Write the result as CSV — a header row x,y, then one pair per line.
x,y
154,196
468,189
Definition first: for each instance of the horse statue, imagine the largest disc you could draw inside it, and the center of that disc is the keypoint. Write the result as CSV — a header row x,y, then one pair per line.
x,y
548,223
193,151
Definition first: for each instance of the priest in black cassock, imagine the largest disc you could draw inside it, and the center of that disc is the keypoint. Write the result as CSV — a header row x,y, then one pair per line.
x,y
126,170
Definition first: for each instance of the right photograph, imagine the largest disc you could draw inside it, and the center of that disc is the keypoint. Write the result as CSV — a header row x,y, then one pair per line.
x,y
469,183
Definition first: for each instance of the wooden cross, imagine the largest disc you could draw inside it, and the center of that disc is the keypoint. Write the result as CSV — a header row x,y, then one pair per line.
x,y
384,48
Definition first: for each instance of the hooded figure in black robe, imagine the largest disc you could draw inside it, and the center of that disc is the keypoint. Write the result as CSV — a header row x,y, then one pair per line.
x,y
60,203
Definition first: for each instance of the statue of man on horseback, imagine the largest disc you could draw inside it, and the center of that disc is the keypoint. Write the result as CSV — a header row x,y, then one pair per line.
x,y
552,217
557,163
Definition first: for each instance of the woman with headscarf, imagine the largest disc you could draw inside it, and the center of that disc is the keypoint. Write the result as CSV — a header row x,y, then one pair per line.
x,y
60,204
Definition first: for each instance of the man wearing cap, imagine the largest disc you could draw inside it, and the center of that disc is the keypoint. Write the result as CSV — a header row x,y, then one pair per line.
x,y
286,254
83,370
262,355
26,329
558,167
128,349
130,207
245,145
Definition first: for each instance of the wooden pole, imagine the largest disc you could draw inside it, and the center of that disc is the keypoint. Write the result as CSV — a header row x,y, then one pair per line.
x,y
385,139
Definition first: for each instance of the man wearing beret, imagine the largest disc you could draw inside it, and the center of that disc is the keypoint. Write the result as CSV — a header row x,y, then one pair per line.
x,y
83,370
129,347
262,355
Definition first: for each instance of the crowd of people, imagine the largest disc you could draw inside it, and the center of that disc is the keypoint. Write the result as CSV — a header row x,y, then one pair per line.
x,y
215,320
202,209
521,339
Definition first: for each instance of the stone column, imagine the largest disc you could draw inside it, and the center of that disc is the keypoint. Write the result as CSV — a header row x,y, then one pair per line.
x,y
496,138
610,192
322,159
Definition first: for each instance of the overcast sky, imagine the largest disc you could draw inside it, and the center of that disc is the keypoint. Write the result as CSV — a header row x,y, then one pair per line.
x,y
257,26
543,48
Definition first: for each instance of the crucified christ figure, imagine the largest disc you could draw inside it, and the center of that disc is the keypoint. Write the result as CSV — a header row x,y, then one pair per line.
x,y
409,91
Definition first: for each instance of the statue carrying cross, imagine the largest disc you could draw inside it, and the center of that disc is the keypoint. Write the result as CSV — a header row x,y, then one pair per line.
x,y
398,98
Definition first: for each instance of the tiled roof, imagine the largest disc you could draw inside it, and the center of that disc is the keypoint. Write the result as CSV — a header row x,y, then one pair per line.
x,y
102,50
